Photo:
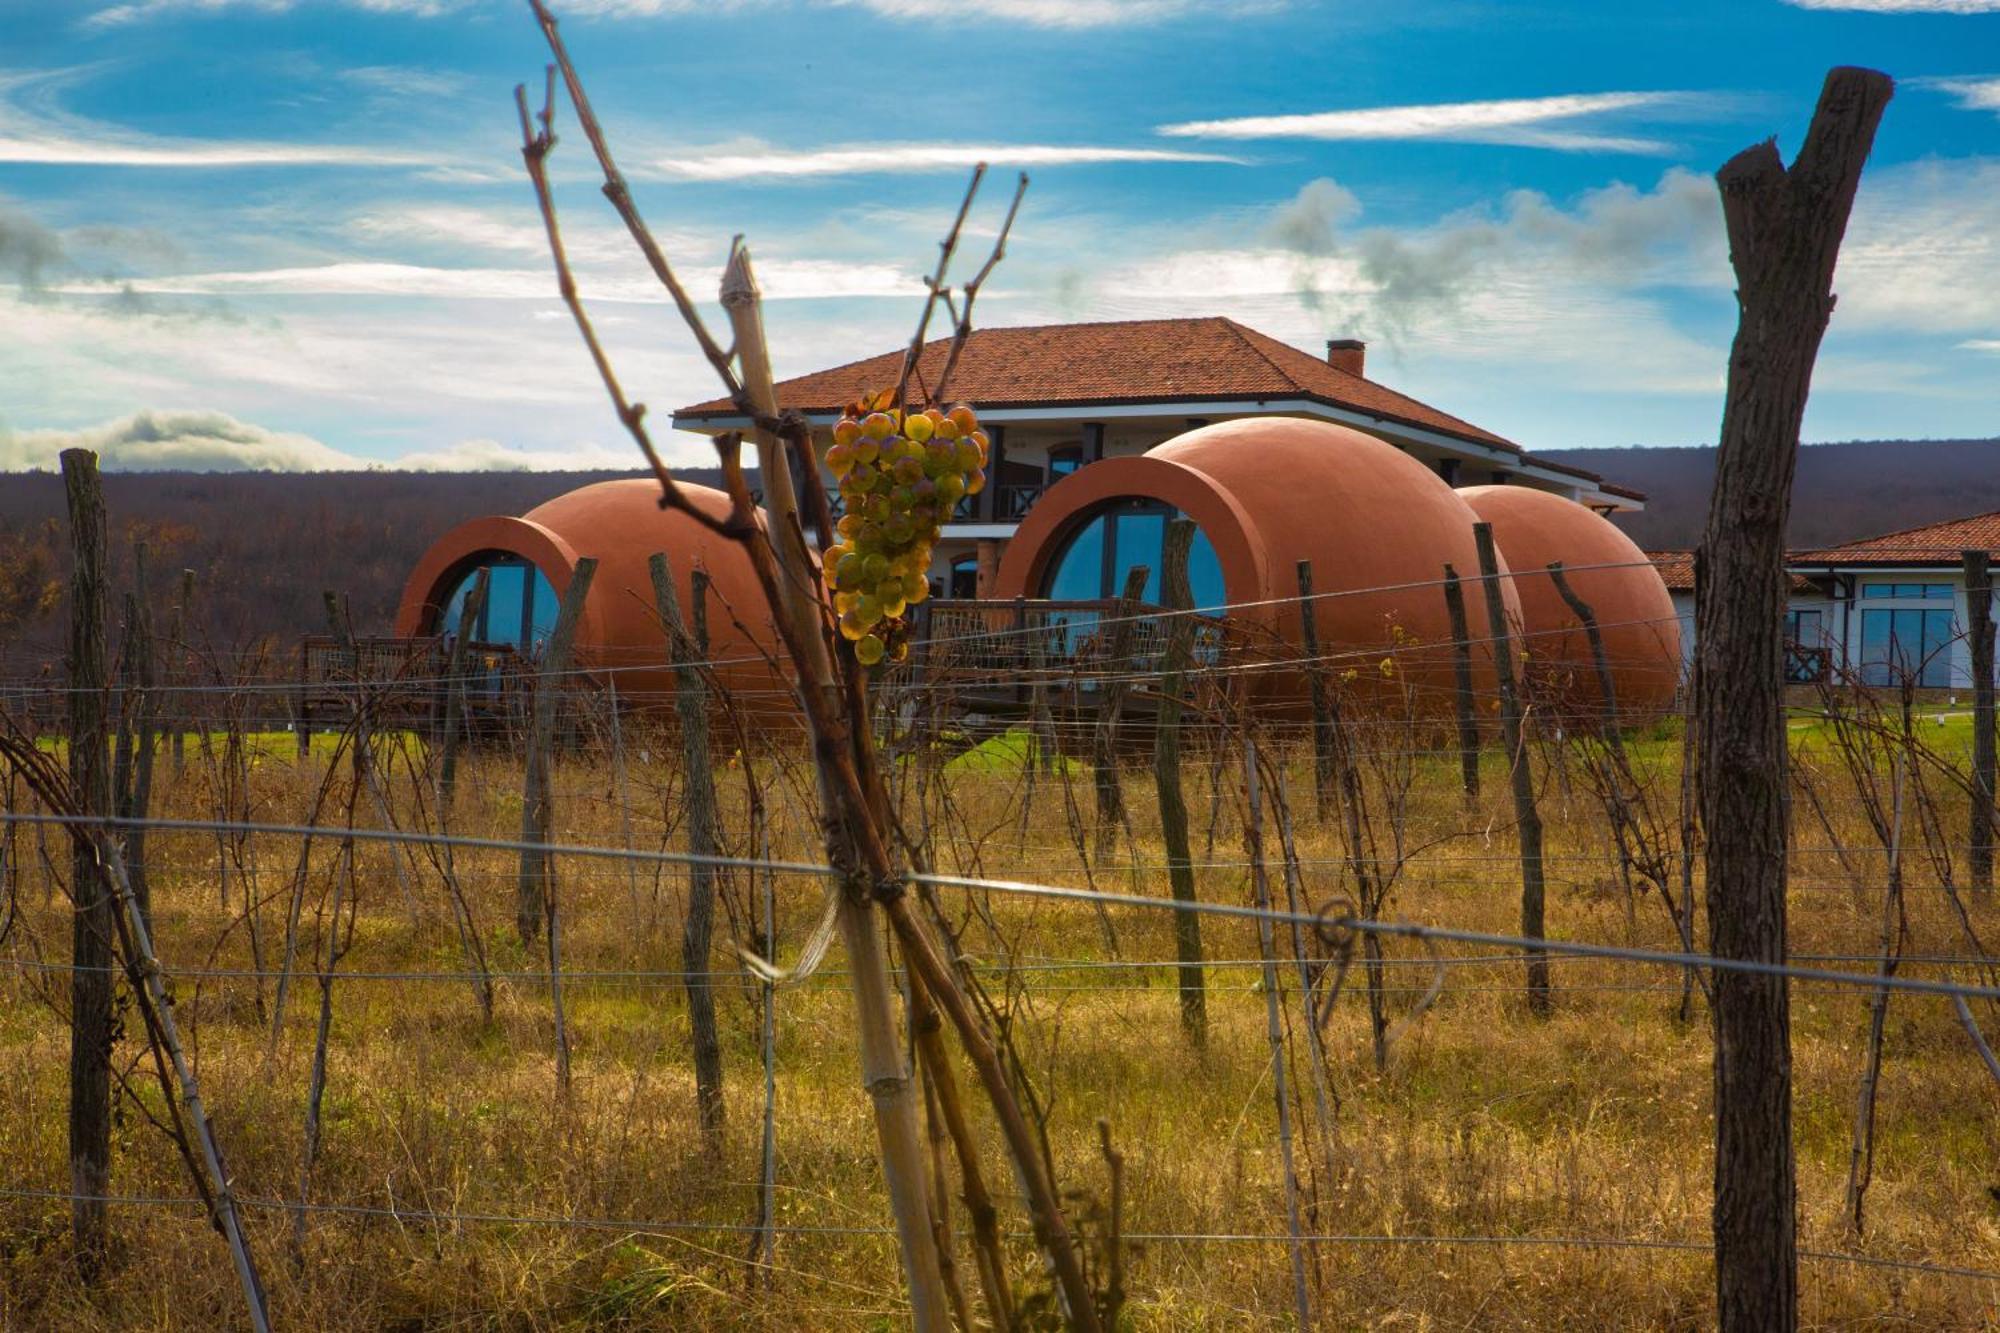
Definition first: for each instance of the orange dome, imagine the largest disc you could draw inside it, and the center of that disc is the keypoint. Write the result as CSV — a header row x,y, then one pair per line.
x,y
1269,492
621,524
1626,596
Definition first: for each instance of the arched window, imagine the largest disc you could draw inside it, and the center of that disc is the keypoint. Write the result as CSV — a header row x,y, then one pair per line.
x,y
520,607
1092,560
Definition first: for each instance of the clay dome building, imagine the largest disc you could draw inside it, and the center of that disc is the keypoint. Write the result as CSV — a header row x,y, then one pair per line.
x,y
1267,492
620,524
1614,578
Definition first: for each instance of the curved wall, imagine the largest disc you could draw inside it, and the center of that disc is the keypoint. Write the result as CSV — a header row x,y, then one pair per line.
x,y
621,524
1272,491
1625,594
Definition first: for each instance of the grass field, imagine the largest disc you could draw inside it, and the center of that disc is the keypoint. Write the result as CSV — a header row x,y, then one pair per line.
x,y
457,1189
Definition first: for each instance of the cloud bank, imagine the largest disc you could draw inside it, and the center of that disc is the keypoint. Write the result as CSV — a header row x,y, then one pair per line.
x,y
207,441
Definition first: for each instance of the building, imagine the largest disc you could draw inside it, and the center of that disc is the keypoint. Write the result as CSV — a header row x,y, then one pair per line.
x,y
1893,606
1381,530
1872,611
1057,398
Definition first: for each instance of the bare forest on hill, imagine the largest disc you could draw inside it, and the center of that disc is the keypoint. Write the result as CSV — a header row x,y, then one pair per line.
x,y
1843,491
259,541
262,545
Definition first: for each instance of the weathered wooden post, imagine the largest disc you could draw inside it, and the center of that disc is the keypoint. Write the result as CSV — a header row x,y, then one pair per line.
x,y
1785,228
684,650
1527,818
531,887
134,788
455,692
1322,715
1461,661
1110,708
1178,598
91,1024
1979,635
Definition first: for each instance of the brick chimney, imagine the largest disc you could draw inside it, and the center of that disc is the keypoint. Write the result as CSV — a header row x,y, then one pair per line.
x,y
1348,354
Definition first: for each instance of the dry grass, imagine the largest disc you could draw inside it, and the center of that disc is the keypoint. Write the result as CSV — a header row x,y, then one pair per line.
x,y
1592,1124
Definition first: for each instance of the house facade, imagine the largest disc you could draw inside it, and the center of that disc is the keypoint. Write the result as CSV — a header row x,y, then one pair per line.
x,y
1057,398
1875,611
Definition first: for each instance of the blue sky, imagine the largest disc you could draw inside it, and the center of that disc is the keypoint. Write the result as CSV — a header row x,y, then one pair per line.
x,y
296,233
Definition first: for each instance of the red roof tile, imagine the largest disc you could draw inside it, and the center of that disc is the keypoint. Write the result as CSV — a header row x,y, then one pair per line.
x,y
1676,569
1929,544
1209,359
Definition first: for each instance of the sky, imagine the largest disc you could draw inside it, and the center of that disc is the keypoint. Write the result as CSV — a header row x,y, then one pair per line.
x,y
298,233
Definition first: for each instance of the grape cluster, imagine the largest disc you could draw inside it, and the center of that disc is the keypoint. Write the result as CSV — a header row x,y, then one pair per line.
x,y
901,474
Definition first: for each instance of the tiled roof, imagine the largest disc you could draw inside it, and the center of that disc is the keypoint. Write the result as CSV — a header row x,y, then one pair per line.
x,y
1209,359
1930,544
1676,569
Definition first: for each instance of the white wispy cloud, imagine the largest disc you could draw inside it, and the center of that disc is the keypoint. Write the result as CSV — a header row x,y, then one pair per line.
x,y
737,163
34,130
140,11
1068,13
1537,122
780,279
1981,345
1903,6
210,441
1060,14
1980,93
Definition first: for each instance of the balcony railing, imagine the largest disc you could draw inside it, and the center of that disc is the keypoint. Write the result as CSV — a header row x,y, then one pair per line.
x,y
1003,651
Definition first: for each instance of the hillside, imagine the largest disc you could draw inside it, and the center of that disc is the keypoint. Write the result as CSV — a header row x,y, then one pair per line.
x,y
263,545
1843,491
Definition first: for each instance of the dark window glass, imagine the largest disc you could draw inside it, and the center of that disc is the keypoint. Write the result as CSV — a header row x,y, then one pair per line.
x,y
1135,534
1064,461
1906,644
520,605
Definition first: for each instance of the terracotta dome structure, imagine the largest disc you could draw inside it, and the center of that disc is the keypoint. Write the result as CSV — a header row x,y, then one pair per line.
x,y
1625,594
621,524
1266,493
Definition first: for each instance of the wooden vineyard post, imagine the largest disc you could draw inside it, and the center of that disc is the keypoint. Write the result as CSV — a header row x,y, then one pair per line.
x,y
530,893
1462,699
455,692
1178,597
91,1025
1785,227
684,650
1322,713
1979,635
1111,708
1527,818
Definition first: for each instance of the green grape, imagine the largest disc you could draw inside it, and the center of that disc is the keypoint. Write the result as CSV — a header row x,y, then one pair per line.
x,y
852,626
908,471
975,481
919,427
916,587
852,571
873,568
970,456
840,458
950,487
877,426
868,650
868,607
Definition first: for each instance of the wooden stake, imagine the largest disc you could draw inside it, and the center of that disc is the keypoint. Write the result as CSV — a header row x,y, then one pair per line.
x,y
1979,635
684,649
1322,715
1461,661
92,1028
1178,596
1110,707
530,888
1527,818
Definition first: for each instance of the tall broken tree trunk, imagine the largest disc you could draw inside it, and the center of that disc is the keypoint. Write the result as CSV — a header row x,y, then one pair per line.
x,y
1785,227
91,1022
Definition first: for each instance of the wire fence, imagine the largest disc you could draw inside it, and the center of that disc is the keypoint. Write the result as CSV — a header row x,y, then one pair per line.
x,y
1392,743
